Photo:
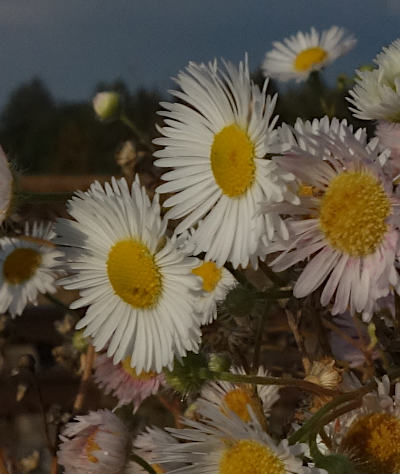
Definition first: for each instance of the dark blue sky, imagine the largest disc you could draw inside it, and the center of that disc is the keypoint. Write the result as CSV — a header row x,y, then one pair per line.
x,y
73,44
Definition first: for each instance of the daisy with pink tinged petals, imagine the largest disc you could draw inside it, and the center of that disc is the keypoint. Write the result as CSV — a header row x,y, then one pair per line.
x,y
124,383
346,224
216,139
97,443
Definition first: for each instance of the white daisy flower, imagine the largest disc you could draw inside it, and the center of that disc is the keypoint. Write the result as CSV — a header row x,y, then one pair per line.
x,y
303,53
28,266
216,284
97,443
145,445
347,225
6,186
221,444
370,435
376,95
136,283
231,398
216,139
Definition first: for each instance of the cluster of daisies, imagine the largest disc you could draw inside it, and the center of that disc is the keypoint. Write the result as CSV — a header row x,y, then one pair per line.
x,y
319,196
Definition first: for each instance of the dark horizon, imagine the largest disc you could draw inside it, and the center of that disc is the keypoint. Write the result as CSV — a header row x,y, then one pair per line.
x,y
74,45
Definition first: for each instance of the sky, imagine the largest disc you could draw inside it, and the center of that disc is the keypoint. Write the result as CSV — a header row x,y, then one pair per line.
x,y
74,44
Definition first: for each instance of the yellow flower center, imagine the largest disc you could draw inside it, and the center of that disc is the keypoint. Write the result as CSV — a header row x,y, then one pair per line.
x,y
133,274
250,457
353,213
376,440
232,160
157,468
210,274
91,446
237,401
307,58
126,365
20,265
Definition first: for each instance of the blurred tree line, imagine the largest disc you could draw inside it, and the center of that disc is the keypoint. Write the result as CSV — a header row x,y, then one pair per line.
x,y
42,135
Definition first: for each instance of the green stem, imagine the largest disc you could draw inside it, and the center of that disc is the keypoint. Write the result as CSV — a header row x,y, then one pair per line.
x,y
53,299
145,465
138,134
312,424
283,381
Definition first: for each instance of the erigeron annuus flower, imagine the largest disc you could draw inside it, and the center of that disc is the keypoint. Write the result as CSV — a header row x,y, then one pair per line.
x,y
6,186
216,139
346,223
370,435
28,265
221,444
97,443
124,382
216,283
232,398
376,94
303,53
137,285
147,443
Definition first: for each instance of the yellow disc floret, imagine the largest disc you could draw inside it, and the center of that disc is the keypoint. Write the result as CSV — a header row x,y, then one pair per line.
x,y
375,439
210,274
353,213
250,457
126,365
307,58
133,274
237,400
232,160
91,446
20,265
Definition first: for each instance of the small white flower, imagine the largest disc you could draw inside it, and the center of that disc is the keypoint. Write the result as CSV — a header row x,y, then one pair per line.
x,y
370,435
137,285
346,224
221,444
124,383
28,266
376,95
216,138
231,398
216,284
97,443
303,53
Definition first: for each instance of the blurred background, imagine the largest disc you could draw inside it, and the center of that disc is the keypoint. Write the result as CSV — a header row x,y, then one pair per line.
x,y
56,55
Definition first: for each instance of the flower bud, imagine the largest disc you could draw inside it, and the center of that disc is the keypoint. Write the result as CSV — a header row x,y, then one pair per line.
x,y
107,105
189,374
